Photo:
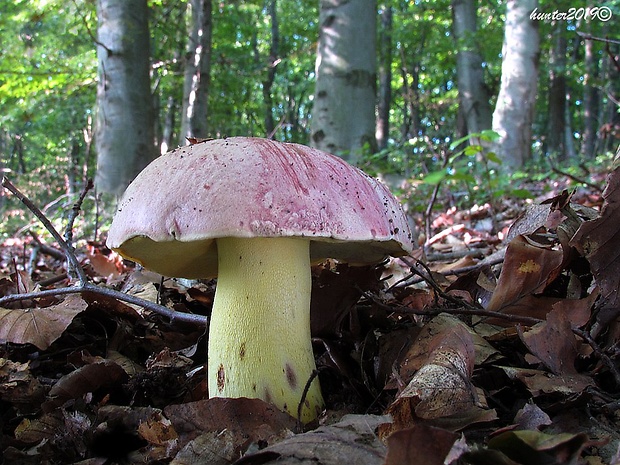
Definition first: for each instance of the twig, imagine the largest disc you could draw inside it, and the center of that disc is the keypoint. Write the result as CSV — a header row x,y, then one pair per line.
x,y
304,394
576,179
75,211
71,258
598,351
173,315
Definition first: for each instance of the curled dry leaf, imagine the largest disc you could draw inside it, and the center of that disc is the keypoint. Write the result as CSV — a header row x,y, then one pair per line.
x,y
527,269
441,391
418,353
351,440
39,326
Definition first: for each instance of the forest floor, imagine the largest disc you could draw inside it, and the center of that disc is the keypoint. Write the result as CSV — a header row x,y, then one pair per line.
x,y
495,343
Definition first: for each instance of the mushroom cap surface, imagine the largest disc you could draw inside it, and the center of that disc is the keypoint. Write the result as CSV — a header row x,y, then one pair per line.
x,y
171,214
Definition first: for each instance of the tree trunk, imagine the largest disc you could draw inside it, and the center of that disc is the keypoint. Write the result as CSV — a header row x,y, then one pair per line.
x,y
473,92
343,116
514,111
197,72
557,93
384,100
590,101
124,132
270,126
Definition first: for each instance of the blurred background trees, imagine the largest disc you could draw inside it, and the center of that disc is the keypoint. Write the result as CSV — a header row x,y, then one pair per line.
x,y
432,74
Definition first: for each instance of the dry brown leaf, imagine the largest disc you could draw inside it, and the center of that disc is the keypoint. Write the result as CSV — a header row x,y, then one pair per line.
x,y
417,354
89,378
246,420
441,392
553,343
599,241
527,270
419,445
39,326
540,382
19,386
351,440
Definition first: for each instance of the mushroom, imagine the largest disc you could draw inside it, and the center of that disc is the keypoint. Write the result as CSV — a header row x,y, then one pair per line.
x,y
256,213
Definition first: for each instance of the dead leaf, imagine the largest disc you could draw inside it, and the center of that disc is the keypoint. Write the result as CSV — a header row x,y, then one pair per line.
x,y
441,392
87,379
351,440
527,270
19,386
245,420
553,343
540,382
534,447
599,241
419,445
108,265
39,326
417,354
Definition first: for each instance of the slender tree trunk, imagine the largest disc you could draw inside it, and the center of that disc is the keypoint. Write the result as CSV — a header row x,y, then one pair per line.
x,y
590,102
384,100
557,93
343,116
197,72
473,92
514,111
124,138
270,126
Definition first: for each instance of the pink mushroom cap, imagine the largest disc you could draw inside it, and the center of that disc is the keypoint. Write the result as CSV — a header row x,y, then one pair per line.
x,y
171,214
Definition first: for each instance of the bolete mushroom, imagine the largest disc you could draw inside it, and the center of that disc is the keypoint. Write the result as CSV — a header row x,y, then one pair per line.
x,y
257,213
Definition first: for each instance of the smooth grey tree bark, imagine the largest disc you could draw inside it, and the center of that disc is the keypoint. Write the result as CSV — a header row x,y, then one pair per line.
x,y
384,96
474,98
514,110
197,72
124,134
343,115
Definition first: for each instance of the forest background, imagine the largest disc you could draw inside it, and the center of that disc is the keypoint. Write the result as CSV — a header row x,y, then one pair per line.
x,y
256,63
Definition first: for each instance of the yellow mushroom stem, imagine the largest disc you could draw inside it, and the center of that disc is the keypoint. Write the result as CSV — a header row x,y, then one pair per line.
x,y
259,333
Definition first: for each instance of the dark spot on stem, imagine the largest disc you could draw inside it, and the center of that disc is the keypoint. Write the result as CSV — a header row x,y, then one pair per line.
x,y
242,350
291,377
221,378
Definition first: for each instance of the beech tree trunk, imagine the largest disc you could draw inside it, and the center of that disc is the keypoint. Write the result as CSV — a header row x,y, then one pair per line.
x,y
384,97
590,101
514,110
557,94
197,72
124,139
274,50
343,115
473,93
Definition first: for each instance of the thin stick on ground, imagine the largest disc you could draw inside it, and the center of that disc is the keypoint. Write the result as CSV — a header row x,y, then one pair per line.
x,y
71,258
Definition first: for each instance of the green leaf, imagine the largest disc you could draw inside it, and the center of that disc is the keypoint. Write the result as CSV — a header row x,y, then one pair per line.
x,y
435,177
492,156
473,150
489,135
